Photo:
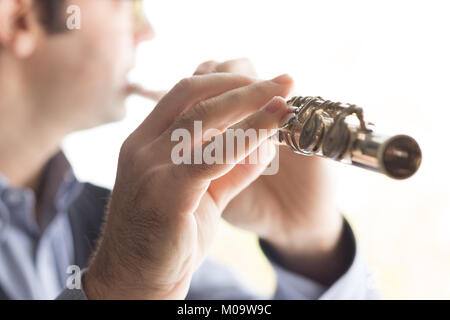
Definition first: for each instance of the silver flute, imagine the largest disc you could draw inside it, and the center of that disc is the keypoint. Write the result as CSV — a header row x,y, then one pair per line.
x,y
321,128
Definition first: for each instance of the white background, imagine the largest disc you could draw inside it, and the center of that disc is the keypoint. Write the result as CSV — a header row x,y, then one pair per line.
x,y
391,57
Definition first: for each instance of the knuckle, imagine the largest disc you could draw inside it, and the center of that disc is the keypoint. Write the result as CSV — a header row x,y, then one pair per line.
x,y
127,150
125,147
201,110
185,84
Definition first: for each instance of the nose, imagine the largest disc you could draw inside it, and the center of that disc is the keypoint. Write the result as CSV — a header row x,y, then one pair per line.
x,y
144,31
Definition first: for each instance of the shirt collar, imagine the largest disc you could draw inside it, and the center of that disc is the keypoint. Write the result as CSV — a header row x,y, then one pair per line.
x,y
59,187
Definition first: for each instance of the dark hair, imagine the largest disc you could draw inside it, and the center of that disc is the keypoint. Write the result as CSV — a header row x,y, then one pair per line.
x,y
52,14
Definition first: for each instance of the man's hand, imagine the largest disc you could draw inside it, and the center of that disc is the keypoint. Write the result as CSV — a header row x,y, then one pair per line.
x,y
162,217
294,210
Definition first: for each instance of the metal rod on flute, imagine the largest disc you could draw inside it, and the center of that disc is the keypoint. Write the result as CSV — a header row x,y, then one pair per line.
x,y
321,128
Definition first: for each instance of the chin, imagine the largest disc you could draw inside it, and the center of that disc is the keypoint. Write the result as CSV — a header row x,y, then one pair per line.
x,y
115,113
109,114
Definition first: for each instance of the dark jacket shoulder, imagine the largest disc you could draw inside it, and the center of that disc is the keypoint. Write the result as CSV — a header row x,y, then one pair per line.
x,y
86,215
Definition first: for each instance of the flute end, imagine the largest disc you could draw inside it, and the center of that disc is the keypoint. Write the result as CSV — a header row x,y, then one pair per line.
x,y
401,157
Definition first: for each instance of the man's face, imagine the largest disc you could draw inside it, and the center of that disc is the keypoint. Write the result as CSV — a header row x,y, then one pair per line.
x,y
79,77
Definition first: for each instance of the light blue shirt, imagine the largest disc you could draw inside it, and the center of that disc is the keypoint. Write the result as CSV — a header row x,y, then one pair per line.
x,y
35,254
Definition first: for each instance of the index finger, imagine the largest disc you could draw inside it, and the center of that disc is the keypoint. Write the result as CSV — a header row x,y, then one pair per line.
x,y
187,93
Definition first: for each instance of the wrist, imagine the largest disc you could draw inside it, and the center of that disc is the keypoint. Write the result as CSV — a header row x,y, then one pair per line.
x,y
318,238
323,255
105,279
114,275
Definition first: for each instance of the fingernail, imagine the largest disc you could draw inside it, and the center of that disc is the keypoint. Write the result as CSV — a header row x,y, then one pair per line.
x,y
283,79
